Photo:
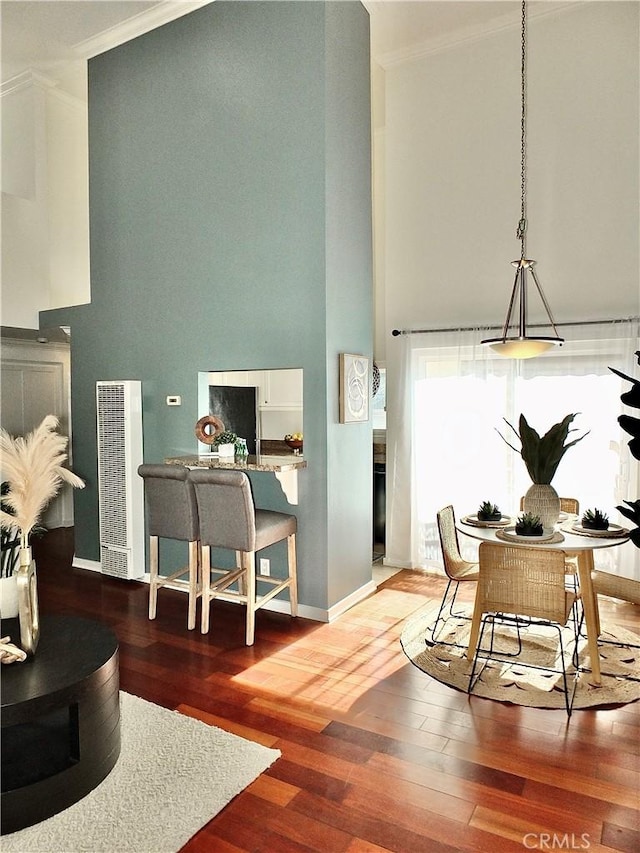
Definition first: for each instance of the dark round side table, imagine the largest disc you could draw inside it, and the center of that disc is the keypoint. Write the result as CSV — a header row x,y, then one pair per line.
x,y
60,719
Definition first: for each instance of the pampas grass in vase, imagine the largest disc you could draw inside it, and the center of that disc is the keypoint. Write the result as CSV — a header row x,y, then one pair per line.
x,y
33,468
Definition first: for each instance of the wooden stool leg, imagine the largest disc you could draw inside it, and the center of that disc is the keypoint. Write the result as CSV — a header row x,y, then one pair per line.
x,y
193,584
293,573
250,574
205,563
242,583
153,576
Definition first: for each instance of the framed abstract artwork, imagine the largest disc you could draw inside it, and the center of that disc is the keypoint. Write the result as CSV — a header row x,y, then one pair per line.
x,y
354,388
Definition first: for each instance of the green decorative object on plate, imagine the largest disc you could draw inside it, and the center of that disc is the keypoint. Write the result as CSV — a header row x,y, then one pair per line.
x,y
595,519
529,524
489,512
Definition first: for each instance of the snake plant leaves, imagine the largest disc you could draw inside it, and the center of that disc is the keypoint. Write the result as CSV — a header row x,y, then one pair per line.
x,y
631,397
542,455
632,512
630,425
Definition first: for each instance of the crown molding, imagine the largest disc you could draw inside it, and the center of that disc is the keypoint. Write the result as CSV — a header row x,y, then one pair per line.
x,y
36,80
25,80
138,25
468,35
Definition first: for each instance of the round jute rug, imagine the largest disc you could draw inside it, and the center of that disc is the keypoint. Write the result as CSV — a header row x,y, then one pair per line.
x,y
522,685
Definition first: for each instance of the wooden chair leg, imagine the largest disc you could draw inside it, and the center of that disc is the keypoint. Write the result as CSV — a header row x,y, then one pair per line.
x,y
242,583
250,574
153,576
293,573
193,584
205,564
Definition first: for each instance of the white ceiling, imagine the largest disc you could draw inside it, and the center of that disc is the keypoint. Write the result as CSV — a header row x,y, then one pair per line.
x,y
54,37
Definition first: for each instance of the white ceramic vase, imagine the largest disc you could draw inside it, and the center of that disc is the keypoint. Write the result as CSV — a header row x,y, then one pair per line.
x,y
542,499
226,449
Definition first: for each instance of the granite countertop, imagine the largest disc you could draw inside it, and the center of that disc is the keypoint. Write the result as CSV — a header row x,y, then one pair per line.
x,y
263,462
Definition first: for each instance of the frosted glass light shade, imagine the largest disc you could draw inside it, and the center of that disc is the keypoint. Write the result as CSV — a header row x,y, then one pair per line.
x,y
522,347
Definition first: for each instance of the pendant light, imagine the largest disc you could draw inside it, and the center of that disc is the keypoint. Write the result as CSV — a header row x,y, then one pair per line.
x,y
523,345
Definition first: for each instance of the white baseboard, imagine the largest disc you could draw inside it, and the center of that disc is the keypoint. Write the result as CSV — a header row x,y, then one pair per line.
x,y
346,603
91,565
316,614
399,563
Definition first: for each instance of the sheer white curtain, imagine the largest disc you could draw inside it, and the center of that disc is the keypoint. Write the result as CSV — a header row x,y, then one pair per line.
x,y
451,396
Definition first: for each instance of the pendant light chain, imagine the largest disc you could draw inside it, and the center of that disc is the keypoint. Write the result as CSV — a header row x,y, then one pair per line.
x,y
522,225
522,344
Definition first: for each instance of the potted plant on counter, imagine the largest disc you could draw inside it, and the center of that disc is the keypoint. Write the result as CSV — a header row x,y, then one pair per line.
x,y
225,443
542,455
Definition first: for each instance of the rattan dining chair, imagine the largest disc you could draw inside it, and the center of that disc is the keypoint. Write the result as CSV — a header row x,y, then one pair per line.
x,y
457,569
621,588
172,514
569,505
523,587
615,586
228,519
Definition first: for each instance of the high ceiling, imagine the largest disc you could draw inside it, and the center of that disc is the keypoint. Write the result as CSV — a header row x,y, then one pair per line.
x,y
54,36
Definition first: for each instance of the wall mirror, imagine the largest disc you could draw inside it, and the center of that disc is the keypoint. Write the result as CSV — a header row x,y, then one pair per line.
x,y
259,405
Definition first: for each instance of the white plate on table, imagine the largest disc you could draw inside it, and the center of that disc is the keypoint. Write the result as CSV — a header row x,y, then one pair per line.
x,y
473,520
613,531
510,535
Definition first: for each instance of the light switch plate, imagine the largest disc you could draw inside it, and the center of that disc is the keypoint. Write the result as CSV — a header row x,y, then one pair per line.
x,y
174,400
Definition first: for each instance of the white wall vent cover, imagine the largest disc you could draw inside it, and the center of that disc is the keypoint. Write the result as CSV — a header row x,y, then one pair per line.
x,y
120,489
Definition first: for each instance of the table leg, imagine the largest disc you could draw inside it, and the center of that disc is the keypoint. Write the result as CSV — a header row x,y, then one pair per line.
x,y
591,614
475,627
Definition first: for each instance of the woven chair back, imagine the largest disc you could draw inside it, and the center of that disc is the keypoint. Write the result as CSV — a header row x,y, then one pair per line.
x,y
454,564
523,581
568,505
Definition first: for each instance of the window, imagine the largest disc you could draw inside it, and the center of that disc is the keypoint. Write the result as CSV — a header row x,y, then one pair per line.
x,y
461,398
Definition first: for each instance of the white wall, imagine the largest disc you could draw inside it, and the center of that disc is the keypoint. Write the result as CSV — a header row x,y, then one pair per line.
x,y
446,172
451,189
45,221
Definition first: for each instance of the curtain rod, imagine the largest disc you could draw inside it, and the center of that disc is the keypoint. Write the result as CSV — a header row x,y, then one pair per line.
x,y
397,332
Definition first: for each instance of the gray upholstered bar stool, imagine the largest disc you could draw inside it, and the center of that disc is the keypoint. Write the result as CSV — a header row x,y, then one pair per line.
x,y
172,514
229,519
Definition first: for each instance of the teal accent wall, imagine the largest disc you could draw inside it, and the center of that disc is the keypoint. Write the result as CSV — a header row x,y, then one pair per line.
x,y
230,215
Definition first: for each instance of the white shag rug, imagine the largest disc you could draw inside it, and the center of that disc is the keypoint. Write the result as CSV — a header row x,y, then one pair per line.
x,y
174,774
512,682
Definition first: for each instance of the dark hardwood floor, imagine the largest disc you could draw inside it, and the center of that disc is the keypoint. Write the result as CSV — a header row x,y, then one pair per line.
x,y
375,755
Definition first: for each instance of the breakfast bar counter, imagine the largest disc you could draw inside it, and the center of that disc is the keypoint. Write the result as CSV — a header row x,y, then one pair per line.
x,y
288,462
285,467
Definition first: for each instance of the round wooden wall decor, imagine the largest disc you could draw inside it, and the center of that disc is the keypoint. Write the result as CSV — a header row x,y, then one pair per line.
x,y
208,428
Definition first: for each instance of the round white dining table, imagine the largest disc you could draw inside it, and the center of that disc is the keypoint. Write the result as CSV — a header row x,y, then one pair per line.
x,y
573,544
